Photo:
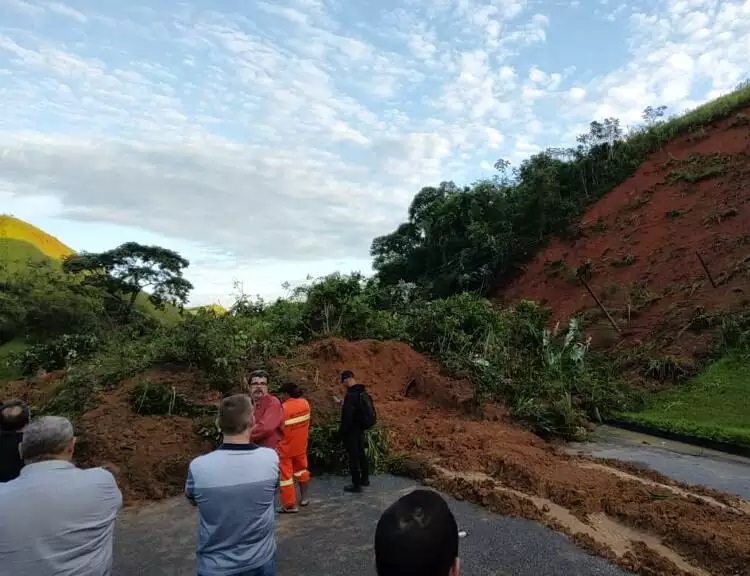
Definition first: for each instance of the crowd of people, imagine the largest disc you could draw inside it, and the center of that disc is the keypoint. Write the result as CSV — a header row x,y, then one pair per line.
x,y
69,529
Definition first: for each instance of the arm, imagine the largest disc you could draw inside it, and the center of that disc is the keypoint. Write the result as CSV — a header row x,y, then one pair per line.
x,y
190,487
348,410
271,420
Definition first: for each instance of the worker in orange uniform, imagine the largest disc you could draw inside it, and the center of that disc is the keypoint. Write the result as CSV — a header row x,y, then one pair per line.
x,y
292,448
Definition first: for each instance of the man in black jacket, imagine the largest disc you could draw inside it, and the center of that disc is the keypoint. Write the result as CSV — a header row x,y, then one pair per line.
x,y
14,416
352,432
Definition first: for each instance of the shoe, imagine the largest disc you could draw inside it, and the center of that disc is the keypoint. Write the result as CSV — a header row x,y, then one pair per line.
x,y
365,483
353,489
283,510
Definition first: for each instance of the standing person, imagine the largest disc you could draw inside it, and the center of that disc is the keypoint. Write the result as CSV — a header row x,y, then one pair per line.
x,y
417,536
234,488
59,519
292,447
14,416
269,417
357,416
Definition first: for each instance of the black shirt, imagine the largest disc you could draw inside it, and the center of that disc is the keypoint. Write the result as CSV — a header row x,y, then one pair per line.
x,y
10,459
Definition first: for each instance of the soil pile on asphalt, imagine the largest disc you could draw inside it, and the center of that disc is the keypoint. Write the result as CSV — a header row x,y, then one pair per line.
x,y
641,520
638,246
147,454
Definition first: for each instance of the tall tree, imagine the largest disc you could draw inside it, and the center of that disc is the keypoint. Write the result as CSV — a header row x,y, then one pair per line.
x,y
132,268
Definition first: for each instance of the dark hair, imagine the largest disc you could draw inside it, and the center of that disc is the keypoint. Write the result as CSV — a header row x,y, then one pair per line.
x,y
235,414
416,536
346,374
14,415
258,374
291,389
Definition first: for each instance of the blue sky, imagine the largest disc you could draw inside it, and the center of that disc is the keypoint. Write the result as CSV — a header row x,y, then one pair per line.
x,y
271,140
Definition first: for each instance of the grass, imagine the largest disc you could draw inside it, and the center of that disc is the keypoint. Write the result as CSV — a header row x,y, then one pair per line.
x,y
699,167
714,405
6,350
14,229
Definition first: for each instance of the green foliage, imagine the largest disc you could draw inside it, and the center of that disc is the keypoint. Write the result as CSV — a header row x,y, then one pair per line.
x,y
59,353
699,167
326,452
131,268
475,237
155,398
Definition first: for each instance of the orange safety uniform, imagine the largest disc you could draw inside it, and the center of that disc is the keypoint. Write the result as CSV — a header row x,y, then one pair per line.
x,y
292,449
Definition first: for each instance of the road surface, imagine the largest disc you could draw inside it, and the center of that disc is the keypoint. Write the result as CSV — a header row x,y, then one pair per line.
x,y
334,537
683,462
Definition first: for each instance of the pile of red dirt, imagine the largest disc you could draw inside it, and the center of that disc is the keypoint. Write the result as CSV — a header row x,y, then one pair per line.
x,y
638,248
147,454
640,520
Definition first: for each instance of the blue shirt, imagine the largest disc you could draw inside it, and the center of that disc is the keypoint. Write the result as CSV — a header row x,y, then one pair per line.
x,y
58,520
234,488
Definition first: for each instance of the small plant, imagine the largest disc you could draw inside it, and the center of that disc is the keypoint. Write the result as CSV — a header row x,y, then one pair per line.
x,y
57,354
154,398
668,369
555,268
626,260
326,452
697,167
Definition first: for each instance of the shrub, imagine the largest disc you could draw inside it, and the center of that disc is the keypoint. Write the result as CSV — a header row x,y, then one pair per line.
x,y
59,353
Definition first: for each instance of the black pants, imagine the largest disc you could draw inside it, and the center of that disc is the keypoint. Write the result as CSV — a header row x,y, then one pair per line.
x,y
358,464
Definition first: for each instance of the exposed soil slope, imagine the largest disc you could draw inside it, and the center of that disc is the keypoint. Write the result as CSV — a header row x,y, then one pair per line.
x,y
639,519
638,245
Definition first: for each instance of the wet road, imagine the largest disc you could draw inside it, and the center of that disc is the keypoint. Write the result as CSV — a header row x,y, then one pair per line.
x,y
334,537
683,462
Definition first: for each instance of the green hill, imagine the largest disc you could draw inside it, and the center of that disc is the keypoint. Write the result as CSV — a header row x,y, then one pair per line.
x,y
23,245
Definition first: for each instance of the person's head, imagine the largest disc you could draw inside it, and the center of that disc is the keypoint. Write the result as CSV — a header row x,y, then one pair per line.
x,y
347,378
290,390
417,536
236,417
48,438
258,383
14,415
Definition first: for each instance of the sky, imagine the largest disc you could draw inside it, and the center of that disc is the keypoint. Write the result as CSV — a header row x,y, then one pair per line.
x,y
271,140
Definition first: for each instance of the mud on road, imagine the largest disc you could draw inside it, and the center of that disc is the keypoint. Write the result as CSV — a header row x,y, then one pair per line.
x,y
639,519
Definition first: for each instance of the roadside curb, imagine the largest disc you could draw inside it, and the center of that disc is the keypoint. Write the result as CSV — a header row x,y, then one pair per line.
x,y
717,445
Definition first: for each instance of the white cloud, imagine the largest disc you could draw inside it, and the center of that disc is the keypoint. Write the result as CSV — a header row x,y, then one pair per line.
x,y
295,131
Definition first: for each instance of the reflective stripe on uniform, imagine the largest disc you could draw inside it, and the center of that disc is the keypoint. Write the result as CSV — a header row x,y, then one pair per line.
x,y
289,482
297,420
300,473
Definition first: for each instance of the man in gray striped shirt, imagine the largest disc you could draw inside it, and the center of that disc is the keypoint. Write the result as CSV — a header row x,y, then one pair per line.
x,y
58,520
233,488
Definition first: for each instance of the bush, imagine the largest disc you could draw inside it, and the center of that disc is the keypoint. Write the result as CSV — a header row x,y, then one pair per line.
x,y
326,452
57,354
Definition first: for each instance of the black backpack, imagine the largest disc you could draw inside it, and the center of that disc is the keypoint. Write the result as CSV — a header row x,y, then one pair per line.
x,y
367,416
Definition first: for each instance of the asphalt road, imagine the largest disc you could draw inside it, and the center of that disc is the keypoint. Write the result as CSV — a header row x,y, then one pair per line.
x,y
683,462
334,537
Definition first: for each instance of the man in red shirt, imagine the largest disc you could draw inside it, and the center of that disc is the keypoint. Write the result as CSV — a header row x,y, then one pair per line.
x,y
269,415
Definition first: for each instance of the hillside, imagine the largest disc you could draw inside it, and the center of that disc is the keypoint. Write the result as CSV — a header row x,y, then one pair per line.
x,y
638,249
21,241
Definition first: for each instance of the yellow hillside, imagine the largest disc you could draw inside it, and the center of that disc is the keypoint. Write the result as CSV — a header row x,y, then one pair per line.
x,y
14,229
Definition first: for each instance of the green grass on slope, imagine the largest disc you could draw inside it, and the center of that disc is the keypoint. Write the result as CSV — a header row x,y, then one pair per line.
x,y
6,351
713,405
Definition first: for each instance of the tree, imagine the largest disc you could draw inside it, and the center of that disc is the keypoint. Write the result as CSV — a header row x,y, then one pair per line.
x,y
131,268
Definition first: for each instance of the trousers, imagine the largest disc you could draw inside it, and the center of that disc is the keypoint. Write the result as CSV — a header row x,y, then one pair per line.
x,y
359,466
291,469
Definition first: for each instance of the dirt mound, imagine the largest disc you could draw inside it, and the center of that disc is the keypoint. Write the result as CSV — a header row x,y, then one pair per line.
x,y
391,371
148,455
637,247
638,519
